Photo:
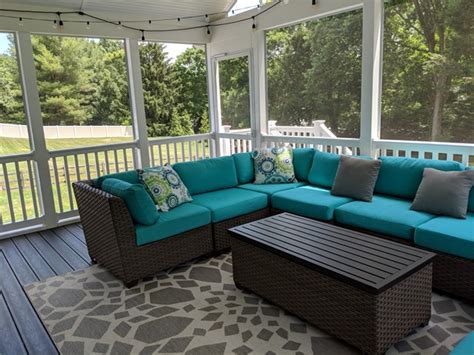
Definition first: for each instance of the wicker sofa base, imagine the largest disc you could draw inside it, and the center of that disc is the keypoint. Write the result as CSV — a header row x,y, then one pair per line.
x,y
452,275
222,236
370,322
111,239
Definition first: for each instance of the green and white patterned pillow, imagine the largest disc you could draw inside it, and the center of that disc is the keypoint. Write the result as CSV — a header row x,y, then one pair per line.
x,y
165,187
274,166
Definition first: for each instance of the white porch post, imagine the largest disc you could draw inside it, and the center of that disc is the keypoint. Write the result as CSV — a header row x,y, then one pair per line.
x,y
372,49
137,103
260,74
35,127
213,101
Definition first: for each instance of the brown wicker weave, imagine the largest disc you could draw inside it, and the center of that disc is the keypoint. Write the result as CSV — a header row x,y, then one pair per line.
x,y
222,236
367,321
452,275
111,240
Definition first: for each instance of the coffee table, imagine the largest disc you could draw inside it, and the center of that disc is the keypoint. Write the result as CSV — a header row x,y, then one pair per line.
x,y
365,290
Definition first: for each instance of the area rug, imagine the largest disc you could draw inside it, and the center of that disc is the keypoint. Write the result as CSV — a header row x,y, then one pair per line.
x,y
196,309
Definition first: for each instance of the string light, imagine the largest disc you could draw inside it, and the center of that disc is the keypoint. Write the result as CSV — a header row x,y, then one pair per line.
x,y
313,2
254,26
143,35
127,24
88,25
149,22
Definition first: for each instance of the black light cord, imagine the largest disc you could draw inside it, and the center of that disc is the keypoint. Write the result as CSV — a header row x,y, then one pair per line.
x,y
124,23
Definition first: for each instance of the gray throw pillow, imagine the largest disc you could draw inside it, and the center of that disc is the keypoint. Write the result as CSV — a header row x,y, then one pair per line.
x,y
356,178
444,192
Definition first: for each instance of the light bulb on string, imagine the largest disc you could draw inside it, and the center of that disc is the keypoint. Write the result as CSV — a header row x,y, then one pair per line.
x,y
208,30
119,25
254,26
143,35
20,21
55,24
207,18
88,25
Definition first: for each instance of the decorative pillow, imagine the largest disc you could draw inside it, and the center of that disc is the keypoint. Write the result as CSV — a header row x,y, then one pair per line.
x,y
165,187
444,192
139,203
273,166
356,178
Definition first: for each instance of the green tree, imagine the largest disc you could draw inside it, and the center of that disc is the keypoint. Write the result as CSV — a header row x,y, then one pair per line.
x,y
159,88
190,72
64,79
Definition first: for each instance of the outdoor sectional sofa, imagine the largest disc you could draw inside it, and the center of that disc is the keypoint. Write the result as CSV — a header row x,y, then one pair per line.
x,y
224,196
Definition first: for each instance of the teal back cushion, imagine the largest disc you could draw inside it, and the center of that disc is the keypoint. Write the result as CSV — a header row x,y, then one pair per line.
x,y
139,203
207,175
128,176
302,161
323,169
244,167
470,205
401,176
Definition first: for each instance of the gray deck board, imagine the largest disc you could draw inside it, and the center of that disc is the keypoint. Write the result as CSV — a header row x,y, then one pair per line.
x,y
29,258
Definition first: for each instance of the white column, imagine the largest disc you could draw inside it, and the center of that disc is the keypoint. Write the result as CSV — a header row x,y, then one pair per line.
x,y
212,85
372,49
137,103
35,126
261,114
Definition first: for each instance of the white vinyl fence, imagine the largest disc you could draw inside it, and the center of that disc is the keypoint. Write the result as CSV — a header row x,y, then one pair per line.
x,y
9,130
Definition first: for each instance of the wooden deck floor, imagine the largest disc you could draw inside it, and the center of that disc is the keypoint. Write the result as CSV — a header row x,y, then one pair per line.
x,y
27,259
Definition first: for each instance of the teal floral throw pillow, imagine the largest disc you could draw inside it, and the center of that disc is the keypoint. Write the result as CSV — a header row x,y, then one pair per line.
x,y
165,187
274,166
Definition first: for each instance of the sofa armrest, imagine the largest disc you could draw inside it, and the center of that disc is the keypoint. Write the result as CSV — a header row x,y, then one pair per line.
x,y
108,227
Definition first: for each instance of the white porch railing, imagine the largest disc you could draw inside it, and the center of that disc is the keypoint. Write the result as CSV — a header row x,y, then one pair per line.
x,y
21,200
178,149
461,152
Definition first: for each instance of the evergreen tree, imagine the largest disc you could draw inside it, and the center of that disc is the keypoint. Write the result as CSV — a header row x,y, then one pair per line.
x,y
190,72
159,88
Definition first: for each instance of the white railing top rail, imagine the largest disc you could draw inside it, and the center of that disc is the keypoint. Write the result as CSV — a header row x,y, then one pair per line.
x,y
93,148
445,147
348,142
190,138
15,157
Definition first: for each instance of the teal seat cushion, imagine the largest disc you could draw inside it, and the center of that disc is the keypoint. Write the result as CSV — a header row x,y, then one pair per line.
x,y
244,167
401,176
448,235
323,169
208,174
230,203
309,201
179,220
130,176
386,215
465,346
302,161
139,203
270,189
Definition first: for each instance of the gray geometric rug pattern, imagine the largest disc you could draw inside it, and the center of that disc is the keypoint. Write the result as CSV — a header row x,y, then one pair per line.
x,y
196,309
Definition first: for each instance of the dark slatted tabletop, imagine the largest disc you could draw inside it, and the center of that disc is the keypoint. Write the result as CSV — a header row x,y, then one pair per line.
x,y
367,262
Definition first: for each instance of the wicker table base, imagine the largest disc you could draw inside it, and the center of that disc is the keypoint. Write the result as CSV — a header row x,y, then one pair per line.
x,y
371,323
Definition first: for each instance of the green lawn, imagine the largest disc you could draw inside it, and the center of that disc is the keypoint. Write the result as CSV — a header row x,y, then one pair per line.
x,y
21,145
96,164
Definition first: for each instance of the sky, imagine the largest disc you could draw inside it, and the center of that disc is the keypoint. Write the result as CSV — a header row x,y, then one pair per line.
x,y
173,49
